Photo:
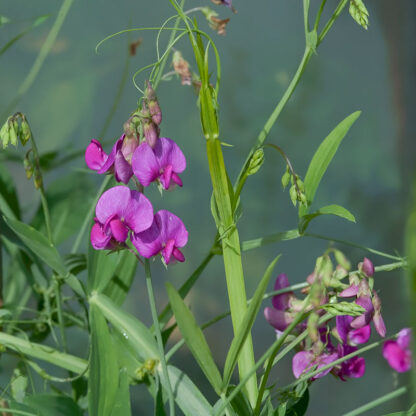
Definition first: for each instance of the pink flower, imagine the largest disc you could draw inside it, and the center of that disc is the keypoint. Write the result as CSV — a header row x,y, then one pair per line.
x,y
119,211
165,235
397,352
162,163
306,361
118,161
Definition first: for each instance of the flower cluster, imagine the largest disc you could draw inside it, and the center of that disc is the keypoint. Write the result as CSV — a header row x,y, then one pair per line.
x,y
122,213
330,342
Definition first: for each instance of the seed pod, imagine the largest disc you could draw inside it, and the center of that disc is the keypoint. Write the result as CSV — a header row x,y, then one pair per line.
x,y
25,132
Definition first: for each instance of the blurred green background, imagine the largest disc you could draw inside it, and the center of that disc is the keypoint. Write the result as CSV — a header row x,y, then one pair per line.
x,y
371,71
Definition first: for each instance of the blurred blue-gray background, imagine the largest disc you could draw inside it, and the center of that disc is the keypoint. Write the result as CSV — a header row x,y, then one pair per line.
x,y
354,69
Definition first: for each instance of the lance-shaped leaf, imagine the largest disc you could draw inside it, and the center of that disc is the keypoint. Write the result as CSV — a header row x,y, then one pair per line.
x,y
246,324
327,210
322,158
134,332
103,368
194,337
122,402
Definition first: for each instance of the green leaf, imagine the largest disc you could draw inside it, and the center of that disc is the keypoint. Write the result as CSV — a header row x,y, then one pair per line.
x,y
122,405
269,239
38,21
134,332
322,158
53,405
39,244
187,396
337,210
19,383
9,203
103,368
246,324
159,404
300,407
120,284
194,338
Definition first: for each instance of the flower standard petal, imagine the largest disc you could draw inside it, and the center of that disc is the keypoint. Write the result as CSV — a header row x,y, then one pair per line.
x,y
359,336
279,320
138,213
168,152
122,169
108,164
171,228
404,338
145,165
281,302
112,202
95,155
399,359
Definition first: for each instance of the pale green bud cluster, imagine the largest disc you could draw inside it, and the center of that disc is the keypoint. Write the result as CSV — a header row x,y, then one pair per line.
x,y
256,162
297,191
146,369
14,129
344,308
359,13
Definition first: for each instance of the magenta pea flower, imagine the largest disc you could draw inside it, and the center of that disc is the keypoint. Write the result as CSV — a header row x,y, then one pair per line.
x,y
351,368
367,267
306,361
118,161
164,162
348,334
397,352
119,211
279,316
166,234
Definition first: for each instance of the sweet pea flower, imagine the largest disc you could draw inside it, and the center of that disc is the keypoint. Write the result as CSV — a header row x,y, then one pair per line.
x,y
367,267
367,316
305,361
165,235
397,352
118,161
350,335
119,211
278,316
351,368
163,162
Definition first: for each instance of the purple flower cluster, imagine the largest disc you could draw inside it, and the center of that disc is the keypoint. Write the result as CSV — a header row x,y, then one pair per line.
x,y
122,213
349,331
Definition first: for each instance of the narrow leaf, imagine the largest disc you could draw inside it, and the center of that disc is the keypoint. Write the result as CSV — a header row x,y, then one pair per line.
x,y
103,368
246,324
187,396
337,210
322,158
194,338
52,405
269,239
134,332
122,405
39,244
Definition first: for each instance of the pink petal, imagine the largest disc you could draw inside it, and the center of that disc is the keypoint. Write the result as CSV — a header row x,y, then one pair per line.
x,y
359,336
404,338
167,251
279,320
122,169
145,165
398,359
112,202
349,291
95,155
368,267
281,302
99,239
379,324
119,230
343,324
168,152
302,362
178,255
111,157
171,227
148,243
138,214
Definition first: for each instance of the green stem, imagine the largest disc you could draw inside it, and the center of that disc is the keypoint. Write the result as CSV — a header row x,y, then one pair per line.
x,y
377,402
37,65
57,288
158,335
318,16
331,21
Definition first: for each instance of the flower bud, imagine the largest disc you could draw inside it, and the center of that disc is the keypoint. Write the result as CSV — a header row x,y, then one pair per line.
x,y
367,267
5,134
256,162
151,133
293,194
153,105
28,165
13,130
37,180
286,178
25,132
130,144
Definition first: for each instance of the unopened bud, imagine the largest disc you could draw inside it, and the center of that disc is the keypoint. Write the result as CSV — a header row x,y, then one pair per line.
x,y
367,267
256,162
5,134
342,260
293,195
151,133
37,180
13,130
312,327
130,144
150,364
28,165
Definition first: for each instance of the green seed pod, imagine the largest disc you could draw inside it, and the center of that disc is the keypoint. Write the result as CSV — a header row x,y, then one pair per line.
x,y
27,164
37,179
256,162
293,195
286,178
5,134
25,132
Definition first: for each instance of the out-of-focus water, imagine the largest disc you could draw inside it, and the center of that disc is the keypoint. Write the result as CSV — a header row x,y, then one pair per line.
x,y
74,92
